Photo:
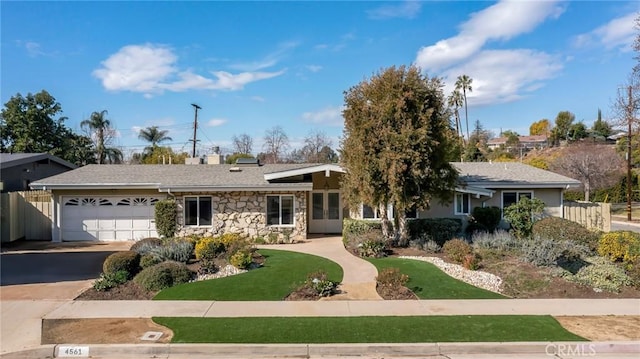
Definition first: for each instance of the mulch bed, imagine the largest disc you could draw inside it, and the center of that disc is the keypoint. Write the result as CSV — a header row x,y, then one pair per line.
x,y
127,291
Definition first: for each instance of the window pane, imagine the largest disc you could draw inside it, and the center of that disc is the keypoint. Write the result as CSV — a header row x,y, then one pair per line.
x,y
508,198
411,213
273,210
205,211
318,206
334,205
367,212
191,211
465,203
287,209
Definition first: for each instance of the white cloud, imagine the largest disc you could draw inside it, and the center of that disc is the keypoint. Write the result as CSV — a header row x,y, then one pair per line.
x,y
258,98
617,33
498,75
313,68
215,122
504,75
270,60
151,69
330,116
501,21
408,9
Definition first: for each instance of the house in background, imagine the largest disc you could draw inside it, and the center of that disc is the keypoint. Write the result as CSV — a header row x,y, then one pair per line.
x,y
524,142
287,201
18,170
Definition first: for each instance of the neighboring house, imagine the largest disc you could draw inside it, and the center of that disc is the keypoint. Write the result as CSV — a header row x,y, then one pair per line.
x,y
525,142
116,202
18,170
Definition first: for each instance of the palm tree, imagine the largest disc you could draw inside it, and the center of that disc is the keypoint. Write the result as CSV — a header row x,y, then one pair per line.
x,y
154,135
101,132
455,101
464,83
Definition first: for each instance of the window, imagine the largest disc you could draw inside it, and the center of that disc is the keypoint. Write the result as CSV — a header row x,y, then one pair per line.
x,y
509,198
411,213
462,203
280,210
369,212
197,211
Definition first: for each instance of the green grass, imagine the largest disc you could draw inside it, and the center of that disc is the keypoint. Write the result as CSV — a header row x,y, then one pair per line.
x,y
420,329
428,282
282,272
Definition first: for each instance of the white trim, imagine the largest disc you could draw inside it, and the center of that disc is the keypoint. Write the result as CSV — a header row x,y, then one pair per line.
x,y
293,212
376,215
503,185
184,212
37,186
303,171
477,191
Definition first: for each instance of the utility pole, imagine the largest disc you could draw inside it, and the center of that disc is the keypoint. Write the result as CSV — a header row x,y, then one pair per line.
x,y
629,119
195,129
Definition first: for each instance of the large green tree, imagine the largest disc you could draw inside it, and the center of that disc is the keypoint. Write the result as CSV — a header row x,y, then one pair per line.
x,y
102,133
601,127
32,124
396,144
463,83
561,131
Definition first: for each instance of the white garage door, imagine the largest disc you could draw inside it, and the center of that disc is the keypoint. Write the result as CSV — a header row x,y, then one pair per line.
x,y
108,218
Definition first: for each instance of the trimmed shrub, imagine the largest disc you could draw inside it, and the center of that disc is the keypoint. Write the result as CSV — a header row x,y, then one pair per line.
x,y
148,260
432,247
633,271
163,275
360,226
241,259
620,246
128,261
439,230
561,229
110,280
547,252
485,217
392,278
165,216
372,247
601,274
523,215
145,243
364,238
457,249
499,240
209,248
174,250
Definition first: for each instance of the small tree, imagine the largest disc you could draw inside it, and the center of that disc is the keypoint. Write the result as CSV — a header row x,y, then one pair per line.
x,y
165,215
523,215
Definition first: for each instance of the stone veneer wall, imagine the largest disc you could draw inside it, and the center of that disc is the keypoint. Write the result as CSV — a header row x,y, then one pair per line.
x,y
246,213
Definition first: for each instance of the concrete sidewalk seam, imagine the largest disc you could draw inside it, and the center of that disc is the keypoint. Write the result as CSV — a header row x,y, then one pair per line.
x,y
206,312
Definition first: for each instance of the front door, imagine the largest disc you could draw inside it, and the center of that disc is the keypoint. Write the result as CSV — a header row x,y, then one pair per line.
x,y
326,212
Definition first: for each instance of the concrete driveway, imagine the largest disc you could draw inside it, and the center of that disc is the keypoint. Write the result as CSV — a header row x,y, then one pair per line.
x,y
45,270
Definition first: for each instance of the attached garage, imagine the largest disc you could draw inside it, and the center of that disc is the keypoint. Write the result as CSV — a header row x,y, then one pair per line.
x,y
108,218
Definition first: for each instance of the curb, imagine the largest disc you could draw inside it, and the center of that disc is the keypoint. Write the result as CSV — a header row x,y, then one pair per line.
x,y
332,350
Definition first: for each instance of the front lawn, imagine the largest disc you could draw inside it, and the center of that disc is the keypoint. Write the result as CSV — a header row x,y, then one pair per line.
x,y
282,272
429,282
418,329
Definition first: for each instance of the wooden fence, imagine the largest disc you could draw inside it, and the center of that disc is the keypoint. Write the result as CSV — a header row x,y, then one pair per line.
x,y
593,215
25,215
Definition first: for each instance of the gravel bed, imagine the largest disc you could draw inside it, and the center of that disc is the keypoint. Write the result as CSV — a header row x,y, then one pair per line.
x,y
479,279
226,271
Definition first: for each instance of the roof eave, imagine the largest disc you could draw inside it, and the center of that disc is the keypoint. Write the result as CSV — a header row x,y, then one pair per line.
x,y
269,187
302,171
68,186
501,185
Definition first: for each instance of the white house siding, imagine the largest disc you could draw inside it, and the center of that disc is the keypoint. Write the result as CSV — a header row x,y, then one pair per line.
x,y
245,213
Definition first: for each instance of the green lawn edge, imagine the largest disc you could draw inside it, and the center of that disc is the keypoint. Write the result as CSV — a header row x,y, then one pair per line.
x,y
429,282
283,272
385,329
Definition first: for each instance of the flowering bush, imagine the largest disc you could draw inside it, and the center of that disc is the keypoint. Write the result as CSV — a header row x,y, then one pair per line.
x,y
457,249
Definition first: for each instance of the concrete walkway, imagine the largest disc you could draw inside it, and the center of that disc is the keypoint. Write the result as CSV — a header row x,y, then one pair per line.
x,y
359,280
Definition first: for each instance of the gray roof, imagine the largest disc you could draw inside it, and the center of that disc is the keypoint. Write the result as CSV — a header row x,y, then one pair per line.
x,y
168,176
201,177
8,160
510,174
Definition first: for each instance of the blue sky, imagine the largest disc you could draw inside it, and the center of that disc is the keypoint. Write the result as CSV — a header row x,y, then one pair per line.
x,y
255,65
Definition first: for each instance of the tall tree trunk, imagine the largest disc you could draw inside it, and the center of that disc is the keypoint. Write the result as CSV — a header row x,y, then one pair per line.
x,y
466,112
384,221
587,191
402,230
